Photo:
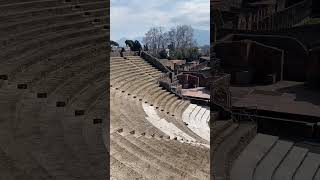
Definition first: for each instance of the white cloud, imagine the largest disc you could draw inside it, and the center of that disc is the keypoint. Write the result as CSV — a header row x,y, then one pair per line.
x,y
132,18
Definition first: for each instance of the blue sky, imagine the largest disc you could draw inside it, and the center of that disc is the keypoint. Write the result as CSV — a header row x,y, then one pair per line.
x,y
133,18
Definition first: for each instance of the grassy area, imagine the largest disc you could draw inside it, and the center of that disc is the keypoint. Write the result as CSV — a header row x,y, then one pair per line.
x,y
311,21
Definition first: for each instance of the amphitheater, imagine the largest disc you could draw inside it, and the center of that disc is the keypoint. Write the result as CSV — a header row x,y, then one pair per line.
x,y
154,134
53,101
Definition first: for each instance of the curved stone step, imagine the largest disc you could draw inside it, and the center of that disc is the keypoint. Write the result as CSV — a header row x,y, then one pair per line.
x,y
290,164
308,168
121,171
244,166
265,169
225,145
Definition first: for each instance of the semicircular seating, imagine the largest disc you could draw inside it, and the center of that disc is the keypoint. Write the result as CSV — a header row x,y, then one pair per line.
x,y
53,101
268,157
149,138
53,65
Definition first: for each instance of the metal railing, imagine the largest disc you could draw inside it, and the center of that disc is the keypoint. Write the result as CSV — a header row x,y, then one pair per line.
x,y
287,17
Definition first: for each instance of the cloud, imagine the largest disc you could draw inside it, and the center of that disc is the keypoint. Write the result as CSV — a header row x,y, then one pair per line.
x,y
132,18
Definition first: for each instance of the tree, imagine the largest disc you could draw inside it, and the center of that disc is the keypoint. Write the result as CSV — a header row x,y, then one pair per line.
x,y
178,40
156,39
163,54
193,54
183,36
137,46
134,45
145,47
129,43
205,50
113,43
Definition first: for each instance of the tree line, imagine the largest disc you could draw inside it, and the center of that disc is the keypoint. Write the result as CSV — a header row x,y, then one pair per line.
x,y
178,40
134,45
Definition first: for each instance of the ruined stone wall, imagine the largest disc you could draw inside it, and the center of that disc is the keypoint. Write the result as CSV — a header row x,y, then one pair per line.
x,y
232,53
258,59
266,60
234,56
203,81
268,17
220,95
287,17
284,17
186,67
193,81
313,67
309,35
188,81
183,79
295,53
281,4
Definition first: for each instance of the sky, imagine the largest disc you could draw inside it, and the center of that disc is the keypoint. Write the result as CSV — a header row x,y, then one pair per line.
x,y
133,18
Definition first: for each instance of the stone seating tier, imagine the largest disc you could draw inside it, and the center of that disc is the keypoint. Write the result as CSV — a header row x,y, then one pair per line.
x,y
52,101
267,157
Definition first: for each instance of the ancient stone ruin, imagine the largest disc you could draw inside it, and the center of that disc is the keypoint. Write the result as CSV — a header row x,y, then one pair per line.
x,y
271,97
53,99
171,135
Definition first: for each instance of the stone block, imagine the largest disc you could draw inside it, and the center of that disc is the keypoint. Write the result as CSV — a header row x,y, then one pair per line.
x,y
60,104
79,112
97,121
22,86
42,95
4,77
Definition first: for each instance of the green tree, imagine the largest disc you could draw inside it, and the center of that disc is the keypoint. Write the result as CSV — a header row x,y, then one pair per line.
x,y
178,54
163,54
193,54
134,45
113,43
137,46
145,47
129,43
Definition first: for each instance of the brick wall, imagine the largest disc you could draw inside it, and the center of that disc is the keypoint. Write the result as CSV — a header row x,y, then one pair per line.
x,y
188,81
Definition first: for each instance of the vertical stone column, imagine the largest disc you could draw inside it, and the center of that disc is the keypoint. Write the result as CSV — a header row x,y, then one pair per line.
x,y
278,21
247,22
250,21
272,22
289,18
294,18
258,19
281,22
